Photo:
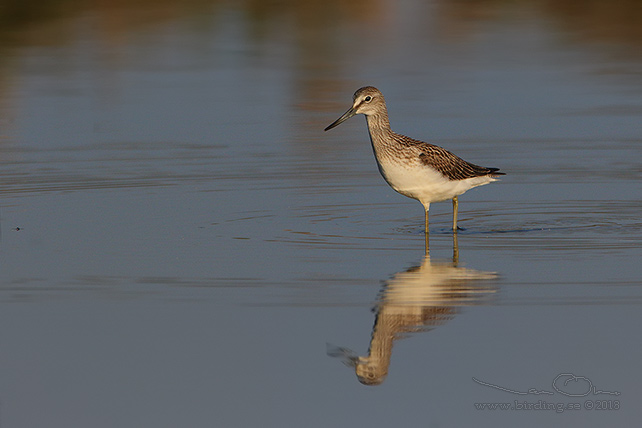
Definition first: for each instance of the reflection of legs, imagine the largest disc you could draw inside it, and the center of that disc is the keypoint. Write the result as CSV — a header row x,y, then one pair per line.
x,y
455,210
455,250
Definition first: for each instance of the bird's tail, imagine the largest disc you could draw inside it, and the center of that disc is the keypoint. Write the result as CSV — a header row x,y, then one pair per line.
x,y
494,172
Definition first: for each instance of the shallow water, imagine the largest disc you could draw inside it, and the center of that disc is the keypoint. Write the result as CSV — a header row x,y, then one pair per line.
x,y
182,244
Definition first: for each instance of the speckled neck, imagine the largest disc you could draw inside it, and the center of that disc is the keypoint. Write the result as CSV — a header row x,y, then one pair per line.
x,y
381,136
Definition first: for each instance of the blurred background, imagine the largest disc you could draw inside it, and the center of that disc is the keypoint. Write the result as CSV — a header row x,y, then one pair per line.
x,y
180,238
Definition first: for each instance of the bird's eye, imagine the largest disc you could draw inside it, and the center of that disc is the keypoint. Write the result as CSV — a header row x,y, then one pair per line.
x,y
368,99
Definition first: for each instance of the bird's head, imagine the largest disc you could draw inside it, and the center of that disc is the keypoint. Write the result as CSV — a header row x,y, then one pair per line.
x,y
367,100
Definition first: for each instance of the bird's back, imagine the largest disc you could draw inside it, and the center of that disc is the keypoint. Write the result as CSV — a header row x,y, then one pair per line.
x,y
425,171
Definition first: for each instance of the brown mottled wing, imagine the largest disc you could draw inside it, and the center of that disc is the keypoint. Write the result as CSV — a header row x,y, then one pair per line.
x,y
450,165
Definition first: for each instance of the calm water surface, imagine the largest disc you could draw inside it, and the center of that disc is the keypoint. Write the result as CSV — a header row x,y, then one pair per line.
x,y
182,245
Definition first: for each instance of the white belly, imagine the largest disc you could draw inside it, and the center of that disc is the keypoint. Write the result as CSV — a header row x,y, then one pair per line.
x,y
425,183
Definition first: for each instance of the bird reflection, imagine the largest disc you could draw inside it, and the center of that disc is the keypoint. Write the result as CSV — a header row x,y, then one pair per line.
x,y
416,300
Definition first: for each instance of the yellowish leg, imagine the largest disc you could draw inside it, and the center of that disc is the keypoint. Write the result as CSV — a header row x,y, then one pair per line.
x,y
455,210
427,233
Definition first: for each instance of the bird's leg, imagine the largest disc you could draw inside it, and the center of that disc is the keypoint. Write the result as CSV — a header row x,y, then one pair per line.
x,y
427,207
455,210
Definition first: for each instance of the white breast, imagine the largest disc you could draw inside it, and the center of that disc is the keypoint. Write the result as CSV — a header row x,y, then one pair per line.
x,y
424,183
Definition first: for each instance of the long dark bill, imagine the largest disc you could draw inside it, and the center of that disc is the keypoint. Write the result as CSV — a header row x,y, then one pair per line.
x,y
347,115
